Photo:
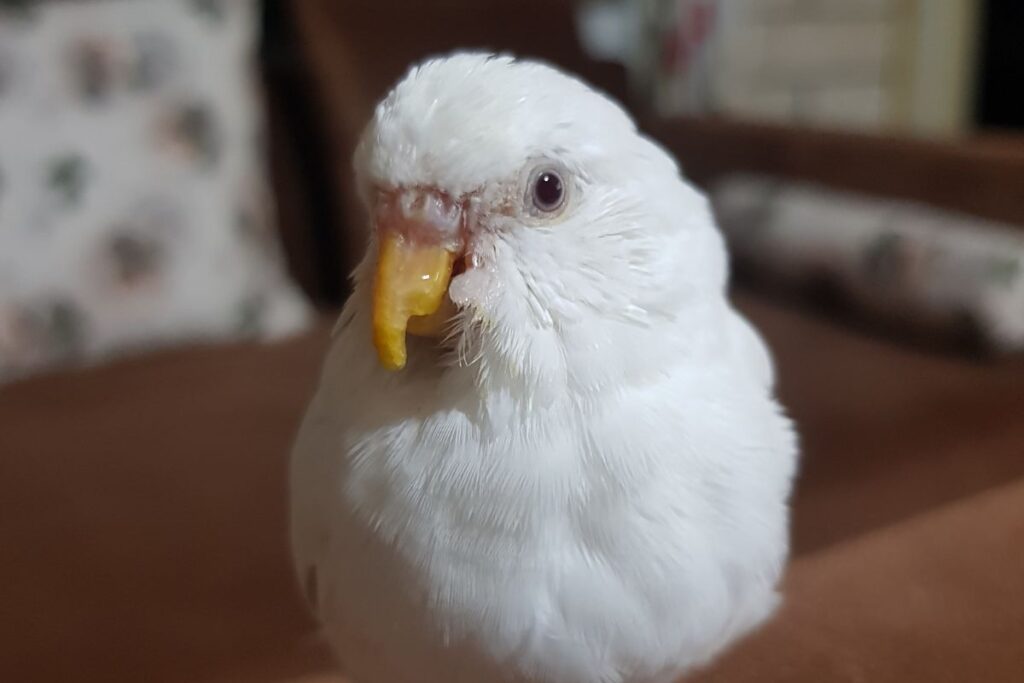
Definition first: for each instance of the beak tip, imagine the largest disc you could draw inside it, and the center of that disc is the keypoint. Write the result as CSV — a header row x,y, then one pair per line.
x,y
391,353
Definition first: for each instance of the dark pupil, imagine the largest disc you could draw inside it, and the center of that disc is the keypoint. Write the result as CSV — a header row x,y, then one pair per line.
x,y
548,191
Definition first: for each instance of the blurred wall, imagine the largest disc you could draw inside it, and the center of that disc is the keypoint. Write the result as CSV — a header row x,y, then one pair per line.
x,y
902,65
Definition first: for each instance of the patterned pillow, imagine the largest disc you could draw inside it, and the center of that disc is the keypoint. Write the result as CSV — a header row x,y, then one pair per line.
x,y
133,206
930,271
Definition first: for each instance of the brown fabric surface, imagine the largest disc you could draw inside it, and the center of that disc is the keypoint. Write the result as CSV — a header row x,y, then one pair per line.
x,y
939,598
887,430
142,516
142,506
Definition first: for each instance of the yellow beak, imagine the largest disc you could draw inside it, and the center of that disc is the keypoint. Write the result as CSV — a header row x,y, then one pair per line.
x,y
409,294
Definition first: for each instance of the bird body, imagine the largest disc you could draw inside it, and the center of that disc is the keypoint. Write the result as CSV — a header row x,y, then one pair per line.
x,y
585,477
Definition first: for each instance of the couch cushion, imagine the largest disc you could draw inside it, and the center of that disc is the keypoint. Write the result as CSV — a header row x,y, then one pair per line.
x,y
143,516
937,598
143,504
887,430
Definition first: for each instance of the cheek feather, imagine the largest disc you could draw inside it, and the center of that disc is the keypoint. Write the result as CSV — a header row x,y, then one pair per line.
x,y
474,289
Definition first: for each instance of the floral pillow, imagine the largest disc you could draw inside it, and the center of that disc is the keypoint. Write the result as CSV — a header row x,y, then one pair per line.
x,y
929,270
134,210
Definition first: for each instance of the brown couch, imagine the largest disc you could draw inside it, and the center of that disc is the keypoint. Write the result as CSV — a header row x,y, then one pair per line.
x,y
144,516
142,504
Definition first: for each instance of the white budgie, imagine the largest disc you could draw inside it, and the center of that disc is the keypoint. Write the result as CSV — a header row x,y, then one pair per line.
x,y
572,469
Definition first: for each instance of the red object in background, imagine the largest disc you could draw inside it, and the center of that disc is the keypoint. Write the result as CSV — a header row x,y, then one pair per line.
x,y
688,35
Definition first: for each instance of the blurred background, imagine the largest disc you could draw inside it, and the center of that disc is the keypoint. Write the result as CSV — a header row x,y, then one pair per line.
x,y
926,68
178,219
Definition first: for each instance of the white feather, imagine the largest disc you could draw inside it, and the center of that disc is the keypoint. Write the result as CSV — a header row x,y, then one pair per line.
x,y
595,488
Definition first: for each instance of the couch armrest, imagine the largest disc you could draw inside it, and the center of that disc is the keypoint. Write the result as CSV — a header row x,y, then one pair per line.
x,y
980,176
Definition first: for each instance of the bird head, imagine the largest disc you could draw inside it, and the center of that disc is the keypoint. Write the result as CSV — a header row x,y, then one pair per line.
x,y
518,212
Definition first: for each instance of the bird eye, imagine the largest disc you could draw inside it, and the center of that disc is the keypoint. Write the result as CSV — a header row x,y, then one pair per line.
x,y
547,190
